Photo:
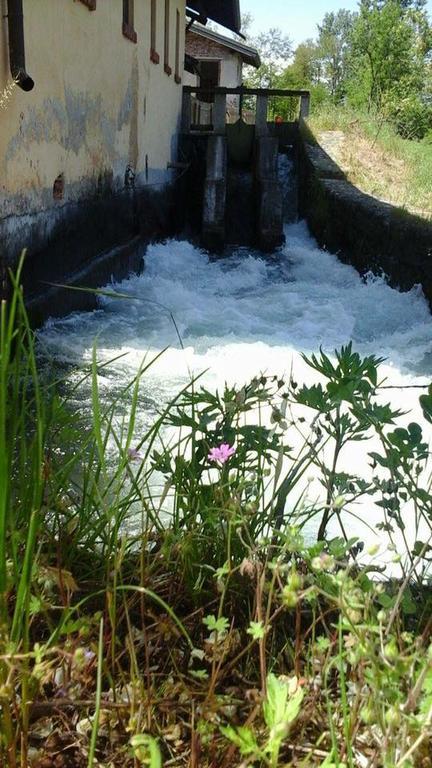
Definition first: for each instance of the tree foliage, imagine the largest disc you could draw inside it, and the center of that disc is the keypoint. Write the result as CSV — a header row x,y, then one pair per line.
x,y
387,52
333,47
275,49
378,58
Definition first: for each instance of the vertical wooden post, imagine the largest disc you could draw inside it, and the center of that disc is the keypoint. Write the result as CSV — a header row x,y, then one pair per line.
x,y
219,113
304,105
261,127
186,112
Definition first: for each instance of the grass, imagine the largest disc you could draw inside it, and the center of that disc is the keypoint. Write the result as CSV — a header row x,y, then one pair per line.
x,y
217,634
377,160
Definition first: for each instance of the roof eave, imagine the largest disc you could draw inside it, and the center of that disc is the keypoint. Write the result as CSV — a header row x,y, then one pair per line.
x,y
224,12
253,61
248,54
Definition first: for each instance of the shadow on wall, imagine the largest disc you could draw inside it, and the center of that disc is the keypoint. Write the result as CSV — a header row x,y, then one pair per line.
x,y
366,232
85,243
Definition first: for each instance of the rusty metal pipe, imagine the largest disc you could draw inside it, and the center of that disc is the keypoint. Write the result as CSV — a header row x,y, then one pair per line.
x,y
16,45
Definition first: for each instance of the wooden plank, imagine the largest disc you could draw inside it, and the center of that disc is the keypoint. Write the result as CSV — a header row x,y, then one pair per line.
x,y
186,112
261,127
246,91
219,113
304,106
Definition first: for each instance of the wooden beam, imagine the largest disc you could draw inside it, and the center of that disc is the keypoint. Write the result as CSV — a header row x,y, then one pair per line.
x,y
246,91
261,127
186,111
219,113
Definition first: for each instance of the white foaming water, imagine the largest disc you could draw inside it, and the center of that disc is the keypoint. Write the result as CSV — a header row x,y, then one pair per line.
x,y
299,299
241,315
247,312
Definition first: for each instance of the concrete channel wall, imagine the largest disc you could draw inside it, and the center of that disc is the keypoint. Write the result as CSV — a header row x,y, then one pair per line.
x,y
102,240
366,232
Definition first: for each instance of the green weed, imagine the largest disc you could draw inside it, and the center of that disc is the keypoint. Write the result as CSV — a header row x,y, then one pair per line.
x,y
218,629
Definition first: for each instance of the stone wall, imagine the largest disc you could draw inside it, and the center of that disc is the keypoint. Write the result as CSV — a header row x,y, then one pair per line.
x,y
362,230
75,254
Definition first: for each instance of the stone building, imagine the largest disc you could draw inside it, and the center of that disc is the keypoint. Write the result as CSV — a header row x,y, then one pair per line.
x,y
218,61
90,105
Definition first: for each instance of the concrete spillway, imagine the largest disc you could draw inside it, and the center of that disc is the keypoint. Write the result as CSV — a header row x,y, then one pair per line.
x,y
259,202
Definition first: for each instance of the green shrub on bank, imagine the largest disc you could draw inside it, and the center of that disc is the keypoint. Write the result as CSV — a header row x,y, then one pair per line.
x,y
412,118
235,620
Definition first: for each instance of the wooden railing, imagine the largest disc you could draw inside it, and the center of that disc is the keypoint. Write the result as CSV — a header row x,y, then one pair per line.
x,y
214,104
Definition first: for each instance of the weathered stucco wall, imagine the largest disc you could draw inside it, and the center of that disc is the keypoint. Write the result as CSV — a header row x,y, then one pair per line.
x,y
101,119
98,104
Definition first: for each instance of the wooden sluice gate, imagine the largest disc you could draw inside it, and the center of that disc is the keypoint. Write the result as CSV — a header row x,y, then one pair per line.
x,y
236,182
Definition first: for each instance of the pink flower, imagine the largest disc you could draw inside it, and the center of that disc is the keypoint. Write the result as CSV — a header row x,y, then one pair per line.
x,y
221,454
134,455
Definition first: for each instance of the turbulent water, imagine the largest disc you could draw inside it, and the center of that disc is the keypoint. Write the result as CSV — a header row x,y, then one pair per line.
x,y
246,312
241,315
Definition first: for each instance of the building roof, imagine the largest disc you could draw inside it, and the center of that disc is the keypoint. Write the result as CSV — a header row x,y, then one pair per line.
x,y
225,12
249,55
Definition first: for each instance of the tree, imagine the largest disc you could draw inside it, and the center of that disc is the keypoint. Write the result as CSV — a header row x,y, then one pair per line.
x,y
305,72
306,67
274,45
388,51
275,49
334,45
246,23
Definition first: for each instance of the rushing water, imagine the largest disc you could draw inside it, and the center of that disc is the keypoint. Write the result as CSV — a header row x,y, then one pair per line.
x,y
241,315
246,312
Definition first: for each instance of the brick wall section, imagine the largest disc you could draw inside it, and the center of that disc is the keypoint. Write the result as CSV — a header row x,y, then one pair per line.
x,y
231,63
198,47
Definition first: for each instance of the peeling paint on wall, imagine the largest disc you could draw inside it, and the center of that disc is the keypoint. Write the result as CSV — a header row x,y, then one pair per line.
x,y
134,118
44,124
125,107
99,105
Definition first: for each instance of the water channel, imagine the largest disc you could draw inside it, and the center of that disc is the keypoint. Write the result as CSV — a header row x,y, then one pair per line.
x,y
240,315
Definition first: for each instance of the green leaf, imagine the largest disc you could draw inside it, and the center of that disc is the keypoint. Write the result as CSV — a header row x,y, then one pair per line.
x,y
242,737
322,643
199,674
215,624
223,571
426,700
314,397
35,605
256,629
426,404
386,601
281,707
408,605
146,750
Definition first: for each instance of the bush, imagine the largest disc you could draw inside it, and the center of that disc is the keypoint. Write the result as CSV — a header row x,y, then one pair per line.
x,y
412,118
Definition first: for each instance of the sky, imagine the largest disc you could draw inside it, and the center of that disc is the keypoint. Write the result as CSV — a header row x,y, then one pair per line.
x,y
297,18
